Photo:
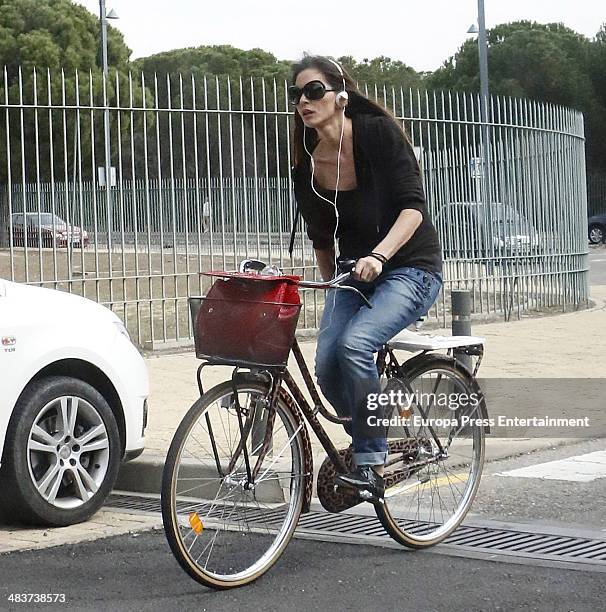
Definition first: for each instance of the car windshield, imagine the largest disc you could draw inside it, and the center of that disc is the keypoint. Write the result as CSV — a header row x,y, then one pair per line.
x,y
45,219
504,218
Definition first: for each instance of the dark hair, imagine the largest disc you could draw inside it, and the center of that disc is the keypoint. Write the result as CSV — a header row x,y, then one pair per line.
x,y
357,103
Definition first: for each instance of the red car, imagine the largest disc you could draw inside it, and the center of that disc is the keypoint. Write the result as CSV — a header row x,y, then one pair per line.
x,y
51,230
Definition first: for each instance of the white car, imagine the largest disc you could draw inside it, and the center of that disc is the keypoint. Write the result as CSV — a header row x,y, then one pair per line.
x,y
73,404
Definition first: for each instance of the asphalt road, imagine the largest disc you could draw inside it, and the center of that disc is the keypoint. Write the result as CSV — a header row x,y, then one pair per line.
x,y
126,573
534,500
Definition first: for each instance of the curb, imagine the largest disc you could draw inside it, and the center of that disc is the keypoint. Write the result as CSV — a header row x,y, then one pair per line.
x,y
144,475
141,476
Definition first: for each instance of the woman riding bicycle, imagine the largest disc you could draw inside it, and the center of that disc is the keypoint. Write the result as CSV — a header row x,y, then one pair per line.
x,y
356,179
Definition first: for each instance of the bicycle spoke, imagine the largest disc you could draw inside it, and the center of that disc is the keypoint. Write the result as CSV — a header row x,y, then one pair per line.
x,y
448,467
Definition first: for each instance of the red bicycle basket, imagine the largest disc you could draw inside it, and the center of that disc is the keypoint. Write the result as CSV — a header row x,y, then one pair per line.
x,y
246,319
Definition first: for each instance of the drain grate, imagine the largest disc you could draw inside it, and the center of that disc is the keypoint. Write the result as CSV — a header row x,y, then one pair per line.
x,y
345,527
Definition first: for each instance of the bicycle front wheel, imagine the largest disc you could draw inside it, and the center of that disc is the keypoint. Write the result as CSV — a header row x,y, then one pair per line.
x,y
442,464
224,528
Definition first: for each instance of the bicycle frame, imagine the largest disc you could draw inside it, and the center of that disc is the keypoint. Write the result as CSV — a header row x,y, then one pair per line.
x,y
277,376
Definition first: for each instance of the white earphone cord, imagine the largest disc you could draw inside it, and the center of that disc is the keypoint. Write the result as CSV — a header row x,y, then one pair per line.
x,y
334,204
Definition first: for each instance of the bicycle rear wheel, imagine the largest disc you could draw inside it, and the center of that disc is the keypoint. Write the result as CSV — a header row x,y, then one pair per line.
x,y
445,467
224,531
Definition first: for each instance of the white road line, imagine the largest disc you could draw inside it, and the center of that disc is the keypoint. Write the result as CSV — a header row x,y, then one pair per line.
x,y
582,468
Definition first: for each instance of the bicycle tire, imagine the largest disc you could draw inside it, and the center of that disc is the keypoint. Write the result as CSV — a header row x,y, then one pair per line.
x,y
175,504
425,528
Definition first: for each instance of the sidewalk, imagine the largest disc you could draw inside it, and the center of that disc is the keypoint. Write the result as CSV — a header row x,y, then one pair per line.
x,y
103,524
569,345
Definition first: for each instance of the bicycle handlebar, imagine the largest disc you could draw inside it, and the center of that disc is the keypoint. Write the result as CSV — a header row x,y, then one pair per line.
x,y
325,284
335,283
258,267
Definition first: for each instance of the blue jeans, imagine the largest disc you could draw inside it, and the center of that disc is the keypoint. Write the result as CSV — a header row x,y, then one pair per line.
x,y
351,333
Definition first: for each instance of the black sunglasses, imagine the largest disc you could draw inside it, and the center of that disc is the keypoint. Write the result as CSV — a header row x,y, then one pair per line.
x,y
314,90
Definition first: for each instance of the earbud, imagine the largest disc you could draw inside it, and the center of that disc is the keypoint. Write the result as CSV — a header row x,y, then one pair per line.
x,y
341,99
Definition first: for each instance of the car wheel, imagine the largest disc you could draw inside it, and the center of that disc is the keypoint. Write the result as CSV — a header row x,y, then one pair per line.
x,y
61,454
596,234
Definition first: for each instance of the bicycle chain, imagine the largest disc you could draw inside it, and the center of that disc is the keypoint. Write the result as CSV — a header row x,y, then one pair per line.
x,y
342,498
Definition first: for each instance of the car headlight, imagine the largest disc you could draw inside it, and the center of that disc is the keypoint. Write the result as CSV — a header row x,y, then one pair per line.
x,y
122,329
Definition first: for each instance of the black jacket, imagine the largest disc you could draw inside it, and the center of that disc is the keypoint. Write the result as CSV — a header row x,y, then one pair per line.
x,y
389,180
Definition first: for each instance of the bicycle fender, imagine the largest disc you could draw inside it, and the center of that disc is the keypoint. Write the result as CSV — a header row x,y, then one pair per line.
x,y
410,367
308,457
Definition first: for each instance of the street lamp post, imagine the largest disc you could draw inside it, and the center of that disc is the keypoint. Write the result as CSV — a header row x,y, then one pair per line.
x,y
103,21
103,17
482,46
480,30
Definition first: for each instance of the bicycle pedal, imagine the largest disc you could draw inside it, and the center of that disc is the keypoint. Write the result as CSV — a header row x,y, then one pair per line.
x,y
369,497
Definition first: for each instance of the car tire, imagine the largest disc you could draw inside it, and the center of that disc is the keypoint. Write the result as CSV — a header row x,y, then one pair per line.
x,y
597,235
40,455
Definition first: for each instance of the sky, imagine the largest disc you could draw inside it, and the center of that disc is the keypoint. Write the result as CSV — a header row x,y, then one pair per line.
x,y
421,34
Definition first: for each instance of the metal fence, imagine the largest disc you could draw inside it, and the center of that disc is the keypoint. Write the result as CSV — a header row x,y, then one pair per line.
x,y
202,180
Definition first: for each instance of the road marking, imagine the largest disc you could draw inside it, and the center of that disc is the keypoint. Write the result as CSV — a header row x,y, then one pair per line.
x,y
594,260
582,468
447,480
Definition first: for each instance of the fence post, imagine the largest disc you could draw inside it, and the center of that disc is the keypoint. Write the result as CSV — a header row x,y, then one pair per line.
x,y
4,217
460,300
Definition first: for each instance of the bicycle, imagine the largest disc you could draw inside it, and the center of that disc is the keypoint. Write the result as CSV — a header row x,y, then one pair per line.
x,y
239,471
